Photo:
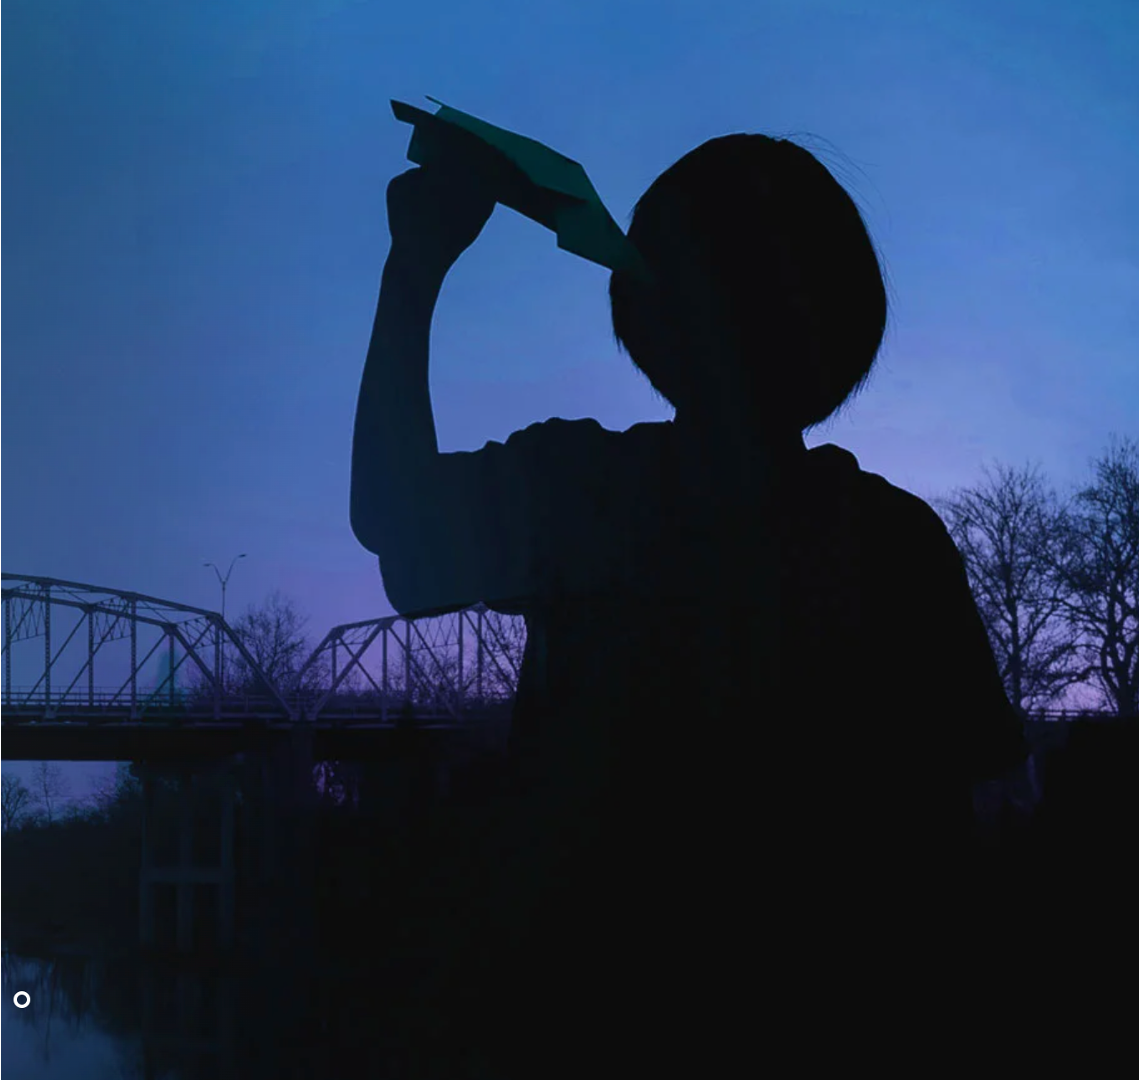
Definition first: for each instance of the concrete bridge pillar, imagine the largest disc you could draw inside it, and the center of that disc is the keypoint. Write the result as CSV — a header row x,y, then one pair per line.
x,y
280,916
275,827
172,797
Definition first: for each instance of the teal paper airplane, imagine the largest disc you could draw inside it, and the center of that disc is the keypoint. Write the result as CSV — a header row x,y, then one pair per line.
x,y
529,177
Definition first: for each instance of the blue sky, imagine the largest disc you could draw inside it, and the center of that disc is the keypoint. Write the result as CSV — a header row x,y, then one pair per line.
x,y
196,229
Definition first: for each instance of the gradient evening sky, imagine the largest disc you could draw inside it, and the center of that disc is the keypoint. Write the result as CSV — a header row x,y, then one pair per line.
x,y
196,230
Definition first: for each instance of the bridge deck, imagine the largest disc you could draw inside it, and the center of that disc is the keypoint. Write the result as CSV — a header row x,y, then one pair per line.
x,y
154,740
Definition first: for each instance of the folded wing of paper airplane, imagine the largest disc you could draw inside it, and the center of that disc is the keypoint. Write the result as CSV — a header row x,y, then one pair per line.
x,y
527,176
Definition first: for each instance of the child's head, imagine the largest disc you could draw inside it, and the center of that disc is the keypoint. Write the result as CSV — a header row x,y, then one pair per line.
x,y
787,251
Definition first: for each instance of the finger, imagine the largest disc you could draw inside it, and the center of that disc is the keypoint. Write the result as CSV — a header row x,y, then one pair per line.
x,y
407,178
469,189
443,191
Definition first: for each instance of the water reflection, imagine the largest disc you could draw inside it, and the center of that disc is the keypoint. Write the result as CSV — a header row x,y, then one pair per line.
x,y
345,921
72,1026
119,1018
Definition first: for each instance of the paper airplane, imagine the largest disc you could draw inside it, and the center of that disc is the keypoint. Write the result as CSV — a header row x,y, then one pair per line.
x,y
527,176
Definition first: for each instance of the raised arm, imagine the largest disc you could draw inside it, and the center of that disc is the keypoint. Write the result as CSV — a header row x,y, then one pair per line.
x,y
433,217
394,441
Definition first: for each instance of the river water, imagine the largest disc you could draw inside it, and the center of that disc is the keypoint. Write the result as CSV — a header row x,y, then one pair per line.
x,y
58,1034
91,1017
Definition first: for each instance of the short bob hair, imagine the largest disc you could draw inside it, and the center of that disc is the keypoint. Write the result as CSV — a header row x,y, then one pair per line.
x,y
787,249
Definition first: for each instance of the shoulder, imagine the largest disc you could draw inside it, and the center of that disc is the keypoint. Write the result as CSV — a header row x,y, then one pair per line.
x,y
559,432
551,446
545,468
903,505
887,508
558,447
878,491
553,439
558,436
588,431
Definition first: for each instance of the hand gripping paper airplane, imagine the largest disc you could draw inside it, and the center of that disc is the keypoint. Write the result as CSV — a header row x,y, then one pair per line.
x,y
527,176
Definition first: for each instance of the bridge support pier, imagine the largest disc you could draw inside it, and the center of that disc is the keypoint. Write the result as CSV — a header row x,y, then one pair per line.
x,y
288,844
184,874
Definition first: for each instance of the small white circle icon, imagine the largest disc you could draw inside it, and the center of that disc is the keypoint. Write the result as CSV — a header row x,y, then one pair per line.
x,y
27,999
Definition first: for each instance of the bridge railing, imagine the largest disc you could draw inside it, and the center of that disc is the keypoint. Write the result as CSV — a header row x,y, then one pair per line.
x,y
109,705
1053,716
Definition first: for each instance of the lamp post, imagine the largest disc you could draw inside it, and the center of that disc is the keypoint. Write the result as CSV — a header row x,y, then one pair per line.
x,y
219,646
224,581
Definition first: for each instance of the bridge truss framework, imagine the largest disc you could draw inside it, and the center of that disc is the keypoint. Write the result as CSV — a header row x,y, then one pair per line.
x,y
441,667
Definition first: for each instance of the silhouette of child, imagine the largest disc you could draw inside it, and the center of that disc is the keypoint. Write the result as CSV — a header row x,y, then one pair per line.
x,y
756,689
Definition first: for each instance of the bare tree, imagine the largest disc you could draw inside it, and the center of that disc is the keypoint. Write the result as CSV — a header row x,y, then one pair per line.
x,y
505,638
1009,530
1099,566
490,665
115,791
14,803
273,633
49,790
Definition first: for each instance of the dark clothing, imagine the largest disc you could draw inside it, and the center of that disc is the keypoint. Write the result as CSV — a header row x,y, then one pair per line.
x,y
640,576
747,724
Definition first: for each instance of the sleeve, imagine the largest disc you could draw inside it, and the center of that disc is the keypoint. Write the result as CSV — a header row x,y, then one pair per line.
x,y
500,524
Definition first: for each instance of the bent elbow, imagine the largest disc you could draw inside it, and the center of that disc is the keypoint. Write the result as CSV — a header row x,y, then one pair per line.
x,y
405,566
403,593
412,590
376,521
366,531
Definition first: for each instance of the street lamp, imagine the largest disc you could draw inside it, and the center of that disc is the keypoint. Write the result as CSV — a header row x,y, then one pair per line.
x,y
224,581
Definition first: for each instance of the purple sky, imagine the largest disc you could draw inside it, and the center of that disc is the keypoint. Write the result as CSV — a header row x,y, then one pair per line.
x,y
196,231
